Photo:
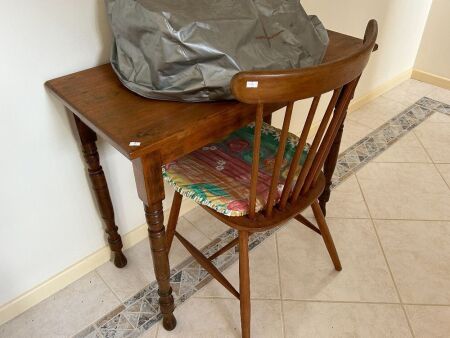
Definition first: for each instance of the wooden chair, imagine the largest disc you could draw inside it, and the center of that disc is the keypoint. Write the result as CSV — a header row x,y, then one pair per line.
x,y
282,175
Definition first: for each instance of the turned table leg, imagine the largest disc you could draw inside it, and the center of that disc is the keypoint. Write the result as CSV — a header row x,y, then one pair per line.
x,y
150,186
98,180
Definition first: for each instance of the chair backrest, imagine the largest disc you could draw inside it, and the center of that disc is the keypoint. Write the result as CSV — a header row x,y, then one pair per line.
x,y
288,86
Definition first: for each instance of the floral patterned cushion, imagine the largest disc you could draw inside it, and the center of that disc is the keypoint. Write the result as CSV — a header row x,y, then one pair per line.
x,y
218,175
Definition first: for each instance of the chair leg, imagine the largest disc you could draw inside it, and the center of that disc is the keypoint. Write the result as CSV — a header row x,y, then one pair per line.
x,y
326,235
244,284
173,218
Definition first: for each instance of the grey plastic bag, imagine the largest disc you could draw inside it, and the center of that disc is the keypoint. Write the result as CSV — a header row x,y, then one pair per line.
x,y
188,50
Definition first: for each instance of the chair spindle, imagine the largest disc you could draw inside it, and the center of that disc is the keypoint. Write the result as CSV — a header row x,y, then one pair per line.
x,y
298,152
315,145
330,134
273,191
255,160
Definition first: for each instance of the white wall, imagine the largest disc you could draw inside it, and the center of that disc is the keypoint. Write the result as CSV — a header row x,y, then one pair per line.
x,y
434,52
48,219
401,24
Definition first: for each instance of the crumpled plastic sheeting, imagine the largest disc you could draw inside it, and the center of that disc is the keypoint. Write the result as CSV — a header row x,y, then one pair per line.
x,y
188,50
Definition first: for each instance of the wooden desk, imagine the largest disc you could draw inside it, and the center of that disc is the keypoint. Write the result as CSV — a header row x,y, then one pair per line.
x,y
165,131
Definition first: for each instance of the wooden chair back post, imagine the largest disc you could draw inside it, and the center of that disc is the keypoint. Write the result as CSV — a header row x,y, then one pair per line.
x,y
288,86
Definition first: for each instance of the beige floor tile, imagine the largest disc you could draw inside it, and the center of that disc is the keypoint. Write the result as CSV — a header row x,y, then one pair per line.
x,y
429,321
407,149
139,272
346,201
435,137
65,313
304,319
440,94
134,276
409,92
152,333
206,223
418,253
307,272
438,117
377,112
353,132
405,191
264,278
214,318
444,169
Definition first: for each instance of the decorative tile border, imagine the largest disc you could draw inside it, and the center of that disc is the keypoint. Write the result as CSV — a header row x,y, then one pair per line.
x,y
140,312
380,139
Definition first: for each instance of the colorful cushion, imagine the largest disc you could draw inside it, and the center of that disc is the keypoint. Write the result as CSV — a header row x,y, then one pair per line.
x,y
218,175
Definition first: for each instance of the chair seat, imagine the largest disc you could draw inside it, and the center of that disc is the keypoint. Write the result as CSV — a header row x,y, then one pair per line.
x,y
218,175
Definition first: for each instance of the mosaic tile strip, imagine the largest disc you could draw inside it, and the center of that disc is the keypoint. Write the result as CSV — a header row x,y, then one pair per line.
x,y
140,312
434,105
379,140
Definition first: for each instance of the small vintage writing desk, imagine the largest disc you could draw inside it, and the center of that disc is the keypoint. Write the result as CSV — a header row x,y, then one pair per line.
x,y
166,131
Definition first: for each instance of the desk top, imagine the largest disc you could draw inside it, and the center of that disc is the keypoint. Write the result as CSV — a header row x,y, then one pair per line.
x,y
98,98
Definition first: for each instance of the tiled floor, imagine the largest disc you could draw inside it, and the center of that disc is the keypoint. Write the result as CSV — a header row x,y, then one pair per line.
x,y
390,219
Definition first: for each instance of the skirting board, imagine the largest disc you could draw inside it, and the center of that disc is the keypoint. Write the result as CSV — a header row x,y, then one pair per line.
x,y
433,79
379,90
93,261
